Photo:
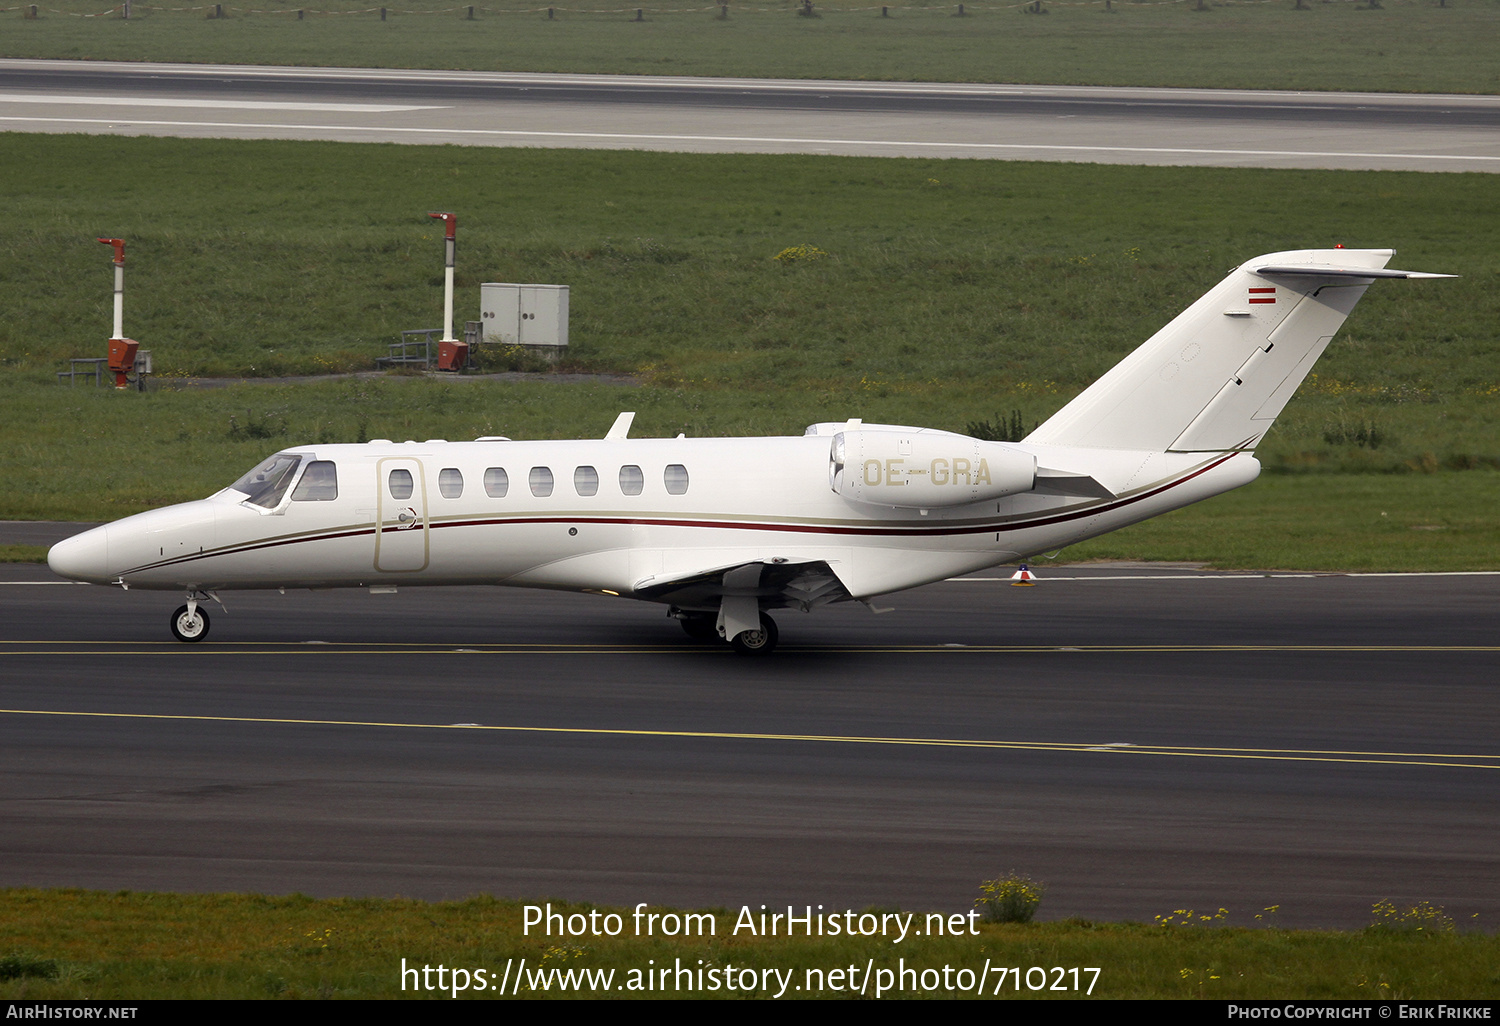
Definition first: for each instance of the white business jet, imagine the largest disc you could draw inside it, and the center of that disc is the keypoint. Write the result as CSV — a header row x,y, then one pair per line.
x,y
720,530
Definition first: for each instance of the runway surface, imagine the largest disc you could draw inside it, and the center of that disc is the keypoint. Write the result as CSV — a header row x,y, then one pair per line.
x,y
1100,125
1141,739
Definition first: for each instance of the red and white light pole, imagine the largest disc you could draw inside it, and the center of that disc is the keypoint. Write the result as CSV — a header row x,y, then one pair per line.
x,y
122,350
453,355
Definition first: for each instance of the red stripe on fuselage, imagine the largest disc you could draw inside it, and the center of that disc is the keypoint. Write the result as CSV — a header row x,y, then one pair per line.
x,y
730,525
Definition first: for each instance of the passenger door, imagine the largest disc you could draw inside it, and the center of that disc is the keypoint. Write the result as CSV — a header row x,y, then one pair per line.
x,y
401,535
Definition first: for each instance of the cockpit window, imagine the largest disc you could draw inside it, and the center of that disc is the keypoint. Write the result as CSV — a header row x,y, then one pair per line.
x,y
320,482
266,484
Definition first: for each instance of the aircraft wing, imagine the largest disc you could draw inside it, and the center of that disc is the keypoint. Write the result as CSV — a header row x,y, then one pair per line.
x,y
776,582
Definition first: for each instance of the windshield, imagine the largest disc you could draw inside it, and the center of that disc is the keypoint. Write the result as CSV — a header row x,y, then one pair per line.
x,y
267,483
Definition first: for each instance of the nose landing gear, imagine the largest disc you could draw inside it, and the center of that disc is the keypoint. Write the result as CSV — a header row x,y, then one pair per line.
x,y
190,623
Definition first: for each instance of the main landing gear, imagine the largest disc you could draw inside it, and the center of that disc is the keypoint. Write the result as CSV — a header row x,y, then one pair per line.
x,y
705,627
756,642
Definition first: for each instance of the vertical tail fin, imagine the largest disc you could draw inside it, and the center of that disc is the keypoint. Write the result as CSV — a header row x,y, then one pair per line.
x,y
1215,378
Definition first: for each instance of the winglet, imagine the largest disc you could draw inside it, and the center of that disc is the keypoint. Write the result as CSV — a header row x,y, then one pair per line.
x,y
621,428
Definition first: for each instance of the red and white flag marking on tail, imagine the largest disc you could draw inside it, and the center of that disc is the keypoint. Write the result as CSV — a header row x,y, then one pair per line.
x,y
1263,295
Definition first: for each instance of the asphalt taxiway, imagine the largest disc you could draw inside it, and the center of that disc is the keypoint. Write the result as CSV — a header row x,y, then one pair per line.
x,y
1141,739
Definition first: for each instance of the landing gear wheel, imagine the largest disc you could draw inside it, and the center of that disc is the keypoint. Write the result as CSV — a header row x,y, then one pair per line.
x,y
757,643
700,627
189,627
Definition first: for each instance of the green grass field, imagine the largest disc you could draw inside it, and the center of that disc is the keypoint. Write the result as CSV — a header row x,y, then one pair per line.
x,y
977,282
951,292
127,946
1396,46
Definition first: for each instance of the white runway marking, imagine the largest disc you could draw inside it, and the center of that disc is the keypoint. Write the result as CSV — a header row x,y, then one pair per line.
x,y
495,133
142,101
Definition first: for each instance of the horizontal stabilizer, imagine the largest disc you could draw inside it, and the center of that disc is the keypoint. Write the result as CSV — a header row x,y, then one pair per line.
x,y
1333,271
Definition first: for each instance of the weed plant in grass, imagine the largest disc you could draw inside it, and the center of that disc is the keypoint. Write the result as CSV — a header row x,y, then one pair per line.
x,y
1009,899
1401,46
125,946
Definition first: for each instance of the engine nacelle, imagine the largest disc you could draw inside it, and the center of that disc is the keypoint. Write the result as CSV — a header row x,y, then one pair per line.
x,y
920,469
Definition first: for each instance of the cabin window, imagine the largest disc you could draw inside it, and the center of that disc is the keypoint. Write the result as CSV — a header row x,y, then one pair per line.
x,y
266,484
400,483
586,481
632,480
450,482
496,482
676,478
541,481
320,483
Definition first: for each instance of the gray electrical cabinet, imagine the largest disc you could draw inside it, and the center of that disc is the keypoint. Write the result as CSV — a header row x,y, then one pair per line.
x,y
525,315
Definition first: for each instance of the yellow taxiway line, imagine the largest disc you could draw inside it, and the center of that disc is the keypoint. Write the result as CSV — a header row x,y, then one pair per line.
x,y
1439,759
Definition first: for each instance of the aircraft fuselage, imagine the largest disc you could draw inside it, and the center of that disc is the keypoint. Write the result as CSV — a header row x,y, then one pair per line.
x,y
564,518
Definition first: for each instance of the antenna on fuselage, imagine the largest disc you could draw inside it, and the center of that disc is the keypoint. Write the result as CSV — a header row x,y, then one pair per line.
x,y
621,428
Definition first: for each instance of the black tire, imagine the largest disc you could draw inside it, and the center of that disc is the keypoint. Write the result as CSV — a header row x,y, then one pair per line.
x,y
757,643
700,626
189,629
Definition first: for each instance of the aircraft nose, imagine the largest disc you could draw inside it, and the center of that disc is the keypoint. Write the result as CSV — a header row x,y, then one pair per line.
x,y
83,557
